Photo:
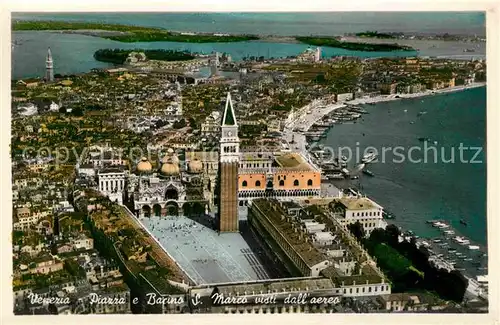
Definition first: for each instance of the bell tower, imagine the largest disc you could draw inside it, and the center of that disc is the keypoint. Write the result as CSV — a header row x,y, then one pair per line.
x,y
229,158
49,67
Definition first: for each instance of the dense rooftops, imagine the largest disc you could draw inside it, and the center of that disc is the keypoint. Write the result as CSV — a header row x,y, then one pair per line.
x,y
275,286
307,252
323,228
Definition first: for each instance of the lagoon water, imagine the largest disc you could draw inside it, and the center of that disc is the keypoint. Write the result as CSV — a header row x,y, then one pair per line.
x,y
74,53
416,192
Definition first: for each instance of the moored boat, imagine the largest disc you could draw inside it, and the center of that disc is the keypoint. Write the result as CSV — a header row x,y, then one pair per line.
x,y
368,172
369,157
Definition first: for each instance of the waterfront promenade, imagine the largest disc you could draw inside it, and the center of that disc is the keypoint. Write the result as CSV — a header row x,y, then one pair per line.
x,y
305,117
303,120
428,92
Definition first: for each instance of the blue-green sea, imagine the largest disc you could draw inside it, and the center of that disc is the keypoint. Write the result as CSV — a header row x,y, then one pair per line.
x,y
432,188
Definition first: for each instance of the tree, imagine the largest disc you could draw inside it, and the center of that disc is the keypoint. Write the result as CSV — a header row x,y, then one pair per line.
x,y
357,230
392,232
179,124
320,79
377,236
78,111
192,123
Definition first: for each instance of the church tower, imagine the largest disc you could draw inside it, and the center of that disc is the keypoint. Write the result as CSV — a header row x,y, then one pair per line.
x,y
49,67
229,157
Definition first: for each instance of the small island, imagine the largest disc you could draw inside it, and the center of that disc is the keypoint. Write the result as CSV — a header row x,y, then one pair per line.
x,y
353,46
127,33
119,56
375,34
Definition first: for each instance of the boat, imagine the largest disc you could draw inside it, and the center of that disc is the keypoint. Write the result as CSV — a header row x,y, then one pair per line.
x,y
368,172
369,157
474,247
354,177
461,240
469,50
463,222
336,176
440,225
449,232
421,113
387,215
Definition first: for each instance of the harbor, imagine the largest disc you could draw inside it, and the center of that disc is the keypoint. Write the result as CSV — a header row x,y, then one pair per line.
x,y
345,114
448,246
454,251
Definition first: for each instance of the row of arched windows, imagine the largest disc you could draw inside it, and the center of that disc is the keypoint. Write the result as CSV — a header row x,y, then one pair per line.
x,y
367,214
245,184
277,193
281,183
229,149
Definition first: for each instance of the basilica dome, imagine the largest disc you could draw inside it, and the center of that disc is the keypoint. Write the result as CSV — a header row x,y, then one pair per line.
x,y
195,166
170,157
144,166
169,169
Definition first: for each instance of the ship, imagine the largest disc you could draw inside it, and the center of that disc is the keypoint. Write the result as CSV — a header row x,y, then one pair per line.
x,y
462,240
369,157
440,225
387,215
335,176
368,172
